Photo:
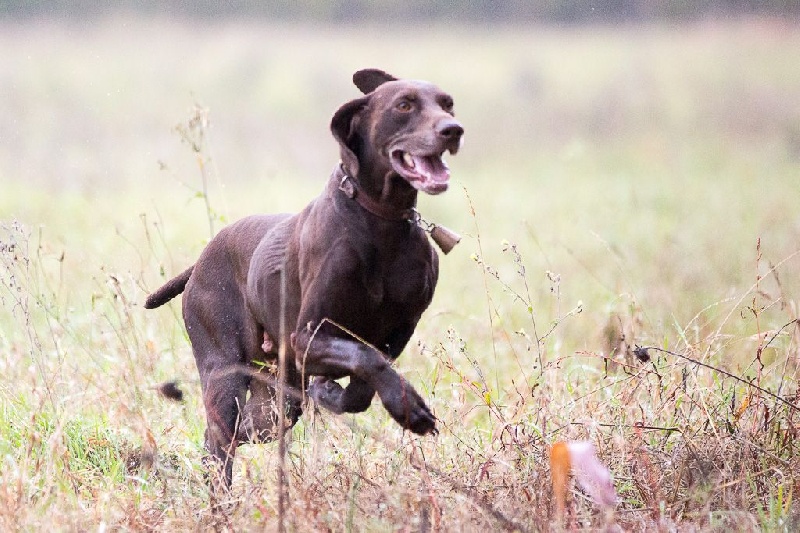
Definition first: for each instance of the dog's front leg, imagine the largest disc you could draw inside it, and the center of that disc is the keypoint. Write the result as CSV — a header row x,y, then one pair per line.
x,y
354,398
334,357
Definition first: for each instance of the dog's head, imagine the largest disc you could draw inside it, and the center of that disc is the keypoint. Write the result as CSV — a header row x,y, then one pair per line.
x,y
400,128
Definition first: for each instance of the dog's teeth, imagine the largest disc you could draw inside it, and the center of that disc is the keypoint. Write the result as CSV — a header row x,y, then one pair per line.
x,y
408,159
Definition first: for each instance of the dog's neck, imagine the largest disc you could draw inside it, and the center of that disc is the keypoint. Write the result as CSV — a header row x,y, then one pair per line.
x,y
389,204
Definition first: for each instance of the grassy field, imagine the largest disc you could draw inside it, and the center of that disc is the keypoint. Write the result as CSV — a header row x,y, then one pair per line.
x,y
618,187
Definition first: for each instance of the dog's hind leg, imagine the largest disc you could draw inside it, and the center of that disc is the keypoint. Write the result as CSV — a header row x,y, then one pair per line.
x,y
218,344
260,415
224,394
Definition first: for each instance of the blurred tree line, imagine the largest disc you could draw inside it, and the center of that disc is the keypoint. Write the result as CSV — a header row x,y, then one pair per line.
x,y
408,11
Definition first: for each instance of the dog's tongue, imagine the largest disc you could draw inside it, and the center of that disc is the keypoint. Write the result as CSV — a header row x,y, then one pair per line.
x,y
432,167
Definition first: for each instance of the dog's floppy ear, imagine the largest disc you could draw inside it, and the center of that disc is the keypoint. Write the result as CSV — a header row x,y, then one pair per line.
x,y
369,79
343,126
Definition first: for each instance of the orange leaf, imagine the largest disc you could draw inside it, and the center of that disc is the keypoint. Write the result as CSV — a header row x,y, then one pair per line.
x,y
560,466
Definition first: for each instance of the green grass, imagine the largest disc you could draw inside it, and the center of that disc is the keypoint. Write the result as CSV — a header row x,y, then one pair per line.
x,y
614,181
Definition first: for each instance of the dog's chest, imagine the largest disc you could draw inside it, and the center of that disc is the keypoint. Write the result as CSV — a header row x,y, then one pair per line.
x,y
405,280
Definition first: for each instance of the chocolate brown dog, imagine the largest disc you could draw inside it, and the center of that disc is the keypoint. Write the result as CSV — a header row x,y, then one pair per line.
x,y
357,272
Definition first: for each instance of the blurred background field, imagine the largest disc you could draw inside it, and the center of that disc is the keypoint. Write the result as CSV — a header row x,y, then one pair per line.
x,y
614,186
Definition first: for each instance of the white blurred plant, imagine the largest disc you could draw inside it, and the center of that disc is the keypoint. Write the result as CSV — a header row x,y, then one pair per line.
x,y
579,459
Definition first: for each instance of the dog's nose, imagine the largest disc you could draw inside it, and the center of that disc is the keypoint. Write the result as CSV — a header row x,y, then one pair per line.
x,y
450,129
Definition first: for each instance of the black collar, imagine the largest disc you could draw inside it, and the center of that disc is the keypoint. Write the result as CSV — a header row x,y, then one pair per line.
x,y
350,188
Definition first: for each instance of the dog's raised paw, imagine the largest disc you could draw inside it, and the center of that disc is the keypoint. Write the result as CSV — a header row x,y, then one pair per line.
x,y
410,411
423,422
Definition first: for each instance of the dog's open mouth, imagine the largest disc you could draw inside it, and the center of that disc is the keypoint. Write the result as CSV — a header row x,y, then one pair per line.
x,y
427,173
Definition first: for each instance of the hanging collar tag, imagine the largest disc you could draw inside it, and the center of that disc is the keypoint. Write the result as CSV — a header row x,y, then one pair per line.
x,y
445,238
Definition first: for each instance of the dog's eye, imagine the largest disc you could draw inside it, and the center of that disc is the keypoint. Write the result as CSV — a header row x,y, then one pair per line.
x,y
404,106
447,104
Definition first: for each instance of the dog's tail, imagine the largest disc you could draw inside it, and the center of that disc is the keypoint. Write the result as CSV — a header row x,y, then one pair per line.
x,y
169,290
